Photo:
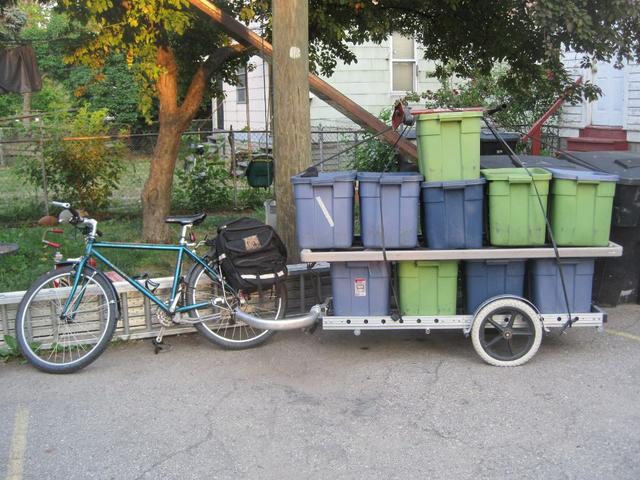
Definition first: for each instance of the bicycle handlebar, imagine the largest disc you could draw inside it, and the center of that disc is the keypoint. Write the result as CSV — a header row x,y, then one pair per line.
x,y
92,225
497,109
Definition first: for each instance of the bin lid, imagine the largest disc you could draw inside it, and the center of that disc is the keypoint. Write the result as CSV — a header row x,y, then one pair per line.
x,y
324,177
624,164
392,177
436,113
503,161
487,137
566,174
454,183
493,174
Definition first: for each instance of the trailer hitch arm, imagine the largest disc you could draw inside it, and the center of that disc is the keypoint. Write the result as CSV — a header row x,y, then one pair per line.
x,y
292,323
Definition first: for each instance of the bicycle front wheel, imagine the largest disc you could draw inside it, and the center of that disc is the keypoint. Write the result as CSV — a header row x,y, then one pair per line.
x,y
218,324
63,343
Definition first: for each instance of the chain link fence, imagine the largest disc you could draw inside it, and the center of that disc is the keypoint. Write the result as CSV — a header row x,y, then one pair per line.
x,y
24,141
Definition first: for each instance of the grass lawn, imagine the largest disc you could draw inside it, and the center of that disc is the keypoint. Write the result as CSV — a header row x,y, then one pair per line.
x,y
20,202
19,270
21,206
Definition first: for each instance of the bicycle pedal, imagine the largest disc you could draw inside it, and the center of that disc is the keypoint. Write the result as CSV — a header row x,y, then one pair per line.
x,y
160,346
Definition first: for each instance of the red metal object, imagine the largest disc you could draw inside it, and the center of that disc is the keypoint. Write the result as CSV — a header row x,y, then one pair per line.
x,y
536,131
51,244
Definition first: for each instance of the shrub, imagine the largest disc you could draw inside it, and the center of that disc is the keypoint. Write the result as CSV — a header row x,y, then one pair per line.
x,y
205,186
83,172
526,102
375,155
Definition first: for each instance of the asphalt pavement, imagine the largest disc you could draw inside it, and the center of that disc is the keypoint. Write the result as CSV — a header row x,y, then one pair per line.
x,y
331,405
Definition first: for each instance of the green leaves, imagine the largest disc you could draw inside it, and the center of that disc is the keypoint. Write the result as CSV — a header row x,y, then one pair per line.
x,y
10,348
83,165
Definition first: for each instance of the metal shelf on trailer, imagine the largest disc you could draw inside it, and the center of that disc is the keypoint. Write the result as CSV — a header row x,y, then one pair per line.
x,y
506,317
364,255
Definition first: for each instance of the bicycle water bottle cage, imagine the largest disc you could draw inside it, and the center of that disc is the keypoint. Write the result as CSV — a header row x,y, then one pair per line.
x,y
151,285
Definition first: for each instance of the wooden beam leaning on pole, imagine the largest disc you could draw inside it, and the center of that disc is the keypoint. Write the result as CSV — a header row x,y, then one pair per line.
x,y
319,87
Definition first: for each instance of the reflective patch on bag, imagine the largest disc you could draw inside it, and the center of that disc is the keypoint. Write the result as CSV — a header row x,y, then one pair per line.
x,y
252,243
360,285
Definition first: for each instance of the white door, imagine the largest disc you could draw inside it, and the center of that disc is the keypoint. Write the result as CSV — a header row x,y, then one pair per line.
x,y
608,110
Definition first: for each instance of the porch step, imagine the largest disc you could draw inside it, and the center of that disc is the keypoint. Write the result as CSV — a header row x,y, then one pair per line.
x,y
609,133
585,144
599,139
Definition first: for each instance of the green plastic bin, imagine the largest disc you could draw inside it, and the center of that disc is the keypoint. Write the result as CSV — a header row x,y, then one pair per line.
x,y
428,287
448,144
515,217
581,207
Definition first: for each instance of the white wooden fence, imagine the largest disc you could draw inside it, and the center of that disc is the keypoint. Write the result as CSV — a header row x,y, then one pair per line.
x,y
306,287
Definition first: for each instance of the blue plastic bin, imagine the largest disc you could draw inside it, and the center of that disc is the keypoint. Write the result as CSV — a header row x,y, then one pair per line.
x,y
360,288
489,278
324,209
452,213
546,287
399,195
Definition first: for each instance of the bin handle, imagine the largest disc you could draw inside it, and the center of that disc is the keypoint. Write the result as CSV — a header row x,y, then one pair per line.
x,y
424,263
496,262
520,179
588,182
391,180
454,185
323,183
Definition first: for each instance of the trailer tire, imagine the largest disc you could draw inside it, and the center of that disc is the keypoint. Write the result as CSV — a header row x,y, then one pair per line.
x,y
509,340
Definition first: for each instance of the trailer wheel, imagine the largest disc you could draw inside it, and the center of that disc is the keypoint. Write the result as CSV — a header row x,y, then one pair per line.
x,y
506,332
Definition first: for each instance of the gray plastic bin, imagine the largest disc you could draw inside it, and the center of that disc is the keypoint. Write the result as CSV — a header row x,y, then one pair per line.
x,y
360,288
485,279
324,209
546,287
452,213
399,195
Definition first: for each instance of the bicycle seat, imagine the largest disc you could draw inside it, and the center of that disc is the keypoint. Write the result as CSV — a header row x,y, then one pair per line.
x,y
186,219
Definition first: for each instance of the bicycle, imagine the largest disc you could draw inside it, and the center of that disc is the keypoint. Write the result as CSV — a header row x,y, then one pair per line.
x,y
68,316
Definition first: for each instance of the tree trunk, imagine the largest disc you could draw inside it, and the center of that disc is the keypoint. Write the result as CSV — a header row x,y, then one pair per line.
x,y
156,197
174,120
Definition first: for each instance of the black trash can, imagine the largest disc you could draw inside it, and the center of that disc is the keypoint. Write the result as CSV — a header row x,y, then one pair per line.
x,y
490,145
616,280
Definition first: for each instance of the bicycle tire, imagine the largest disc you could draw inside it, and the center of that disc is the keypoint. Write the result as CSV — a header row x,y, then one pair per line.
x,y
33,335
225,331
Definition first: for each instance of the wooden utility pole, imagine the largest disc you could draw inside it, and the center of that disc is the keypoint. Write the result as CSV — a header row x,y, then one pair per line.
x,y
291,120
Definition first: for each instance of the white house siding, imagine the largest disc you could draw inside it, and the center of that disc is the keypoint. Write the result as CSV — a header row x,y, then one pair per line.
x,y
235,114
575,117
367,82
633,106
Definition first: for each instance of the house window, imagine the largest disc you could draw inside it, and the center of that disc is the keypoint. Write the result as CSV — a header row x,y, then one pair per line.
x,y
403,63
241,87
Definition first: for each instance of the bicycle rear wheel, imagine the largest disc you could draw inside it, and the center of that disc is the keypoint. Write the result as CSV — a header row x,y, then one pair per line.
x,y
219,325
57,343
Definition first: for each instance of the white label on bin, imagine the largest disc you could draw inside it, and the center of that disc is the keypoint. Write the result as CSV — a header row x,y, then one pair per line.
x,y
325,212
360,285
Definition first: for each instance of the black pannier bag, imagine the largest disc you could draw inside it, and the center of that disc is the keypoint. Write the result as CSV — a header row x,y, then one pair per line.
x,y
251,254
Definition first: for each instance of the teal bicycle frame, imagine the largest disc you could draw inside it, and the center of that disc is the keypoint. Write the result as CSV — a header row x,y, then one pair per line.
x,y
169,307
